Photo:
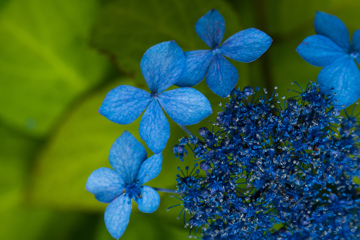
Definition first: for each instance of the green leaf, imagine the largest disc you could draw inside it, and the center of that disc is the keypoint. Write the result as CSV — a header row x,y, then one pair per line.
x,y
45,60
356,180
284,21
126,29
3,3
36,223
15,156
21,220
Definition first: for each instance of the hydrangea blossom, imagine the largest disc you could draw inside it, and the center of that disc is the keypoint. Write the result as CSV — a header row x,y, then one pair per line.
x,y
269,168
331,48
270,162
221,75
117,187
162,66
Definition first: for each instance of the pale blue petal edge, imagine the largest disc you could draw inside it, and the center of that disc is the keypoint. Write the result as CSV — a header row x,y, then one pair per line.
x,y
150,168
356,45
211,28
356,41
154,128
197,64
319,51
186,106
343,78
332,27
124,104
246,45
105,184
126,156
163,65
117,216
149,201
222,76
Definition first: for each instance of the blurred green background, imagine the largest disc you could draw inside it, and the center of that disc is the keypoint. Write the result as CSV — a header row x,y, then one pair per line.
x,y
59,58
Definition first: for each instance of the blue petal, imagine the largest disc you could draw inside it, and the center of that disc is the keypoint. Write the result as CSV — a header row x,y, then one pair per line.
x,y
197,64
124,104
150,168
210,28
333,28
126,156
222,76
162,65
344,77
117,216
105,184
356,41
185,106
356,45
247,45
149,201
154,128
319,50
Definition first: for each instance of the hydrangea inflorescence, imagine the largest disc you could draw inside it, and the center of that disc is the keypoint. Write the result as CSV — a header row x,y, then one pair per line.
x,y
269,168
269,161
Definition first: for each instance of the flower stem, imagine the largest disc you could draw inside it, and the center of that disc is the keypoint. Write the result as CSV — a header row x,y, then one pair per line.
x,y
165,190
186,130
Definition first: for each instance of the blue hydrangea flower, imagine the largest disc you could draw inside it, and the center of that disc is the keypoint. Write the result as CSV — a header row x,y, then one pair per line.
x,y
132,169
162,66
268,161
331,48
221,75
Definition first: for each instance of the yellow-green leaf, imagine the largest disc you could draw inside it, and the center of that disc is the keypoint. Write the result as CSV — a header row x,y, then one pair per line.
x,y
45,60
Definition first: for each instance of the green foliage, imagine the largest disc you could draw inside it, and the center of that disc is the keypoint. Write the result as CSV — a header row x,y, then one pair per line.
x,y
15,157
284,20
45,61
20,220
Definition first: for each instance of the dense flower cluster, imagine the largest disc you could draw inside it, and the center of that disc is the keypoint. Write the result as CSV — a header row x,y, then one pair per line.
x,y
163,65
274,169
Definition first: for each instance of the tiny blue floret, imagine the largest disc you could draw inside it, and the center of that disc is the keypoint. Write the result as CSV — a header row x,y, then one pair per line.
x,y
117,187
221,76
162,66
331,48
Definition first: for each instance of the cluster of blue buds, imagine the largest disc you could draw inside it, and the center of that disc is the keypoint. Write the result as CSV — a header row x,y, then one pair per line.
x,y
270,162
270,168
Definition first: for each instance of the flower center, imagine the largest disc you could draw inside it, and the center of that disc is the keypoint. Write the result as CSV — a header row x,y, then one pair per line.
x,y
215,51
154,95
353,54
133,190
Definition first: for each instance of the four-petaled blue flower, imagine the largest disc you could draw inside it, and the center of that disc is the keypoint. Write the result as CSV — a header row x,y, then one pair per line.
x,y
132,169
221,75
162,66
330,48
